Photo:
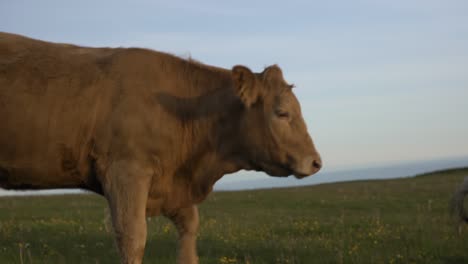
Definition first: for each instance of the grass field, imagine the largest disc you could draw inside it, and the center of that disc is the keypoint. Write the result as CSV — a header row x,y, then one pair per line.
x,y
385,221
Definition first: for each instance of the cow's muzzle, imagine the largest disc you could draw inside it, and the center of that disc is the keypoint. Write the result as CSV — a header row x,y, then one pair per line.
x,y
309,165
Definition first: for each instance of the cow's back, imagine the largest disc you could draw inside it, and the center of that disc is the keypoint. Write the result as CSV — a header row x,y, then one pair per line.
x,y
52,96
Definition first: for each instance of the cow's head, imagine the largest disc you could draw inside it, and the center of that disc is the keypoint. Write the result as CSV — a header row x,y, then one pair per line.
x,y
272,124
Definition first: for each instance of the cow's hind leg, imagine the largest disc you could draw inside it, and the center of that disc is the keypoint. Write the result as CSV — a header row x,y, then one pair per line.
x,y
186,222
126,188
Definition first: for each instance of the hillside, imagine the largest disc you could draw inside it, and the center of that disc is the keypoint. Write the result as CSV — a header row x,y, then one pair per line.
x,y
378,221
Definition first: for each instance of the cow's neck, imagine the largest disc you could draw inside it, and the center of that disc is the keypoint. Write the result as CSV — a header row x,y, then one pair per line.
x,y
212,138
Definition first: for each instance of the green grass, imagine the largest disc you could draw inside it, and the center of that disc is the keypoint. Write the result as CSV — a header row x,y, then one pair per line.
x,y
382,221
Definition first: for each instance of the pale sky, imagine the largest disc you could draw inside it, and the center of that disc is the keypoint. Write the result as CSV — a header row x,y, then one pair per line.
x,y
379,81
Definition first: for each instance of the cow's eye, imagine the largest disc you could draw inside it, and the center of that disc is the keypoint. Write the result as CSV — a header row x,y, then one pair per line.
x,y
282,114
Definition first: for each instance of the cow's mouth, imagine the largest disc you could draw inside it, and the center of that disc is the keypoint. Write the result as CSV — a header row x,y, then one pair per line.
x,y
300,175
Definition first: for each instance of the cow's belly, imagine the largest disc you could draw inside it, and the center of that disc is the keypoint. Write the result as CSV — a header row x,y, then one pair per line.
x,y
17,177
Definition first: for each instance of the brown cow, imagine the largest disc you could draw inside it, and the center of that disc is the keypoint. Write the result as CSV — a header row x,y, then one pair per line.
x,y
457,203
150,131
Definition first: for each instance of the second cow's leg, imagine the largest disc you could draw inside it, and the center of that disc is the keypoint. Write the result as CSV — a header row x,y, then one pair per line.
x,y
186,222
126,186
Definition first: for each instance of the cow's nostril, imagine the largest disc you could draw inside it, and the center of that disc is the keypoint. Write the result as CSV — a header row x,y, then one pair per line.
x,y
317,164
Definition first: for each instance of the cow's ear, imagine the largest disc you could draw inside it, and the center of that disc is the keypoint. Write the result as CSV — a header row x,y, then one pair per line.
x,y
273,74
245,85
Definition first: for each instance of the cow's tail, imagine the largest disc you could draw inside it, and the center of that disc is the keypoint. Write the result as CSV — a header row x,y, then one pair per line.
x,y
457,204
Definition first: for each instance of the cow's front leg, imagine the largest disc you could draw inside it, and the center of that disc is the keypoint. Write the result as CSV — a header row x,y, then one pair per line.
x,y
126,186
186,222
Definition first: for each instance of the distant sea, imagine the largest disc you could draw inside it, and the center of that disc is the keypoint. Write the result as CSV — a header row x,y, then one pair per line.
x,y
397,170
253,180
